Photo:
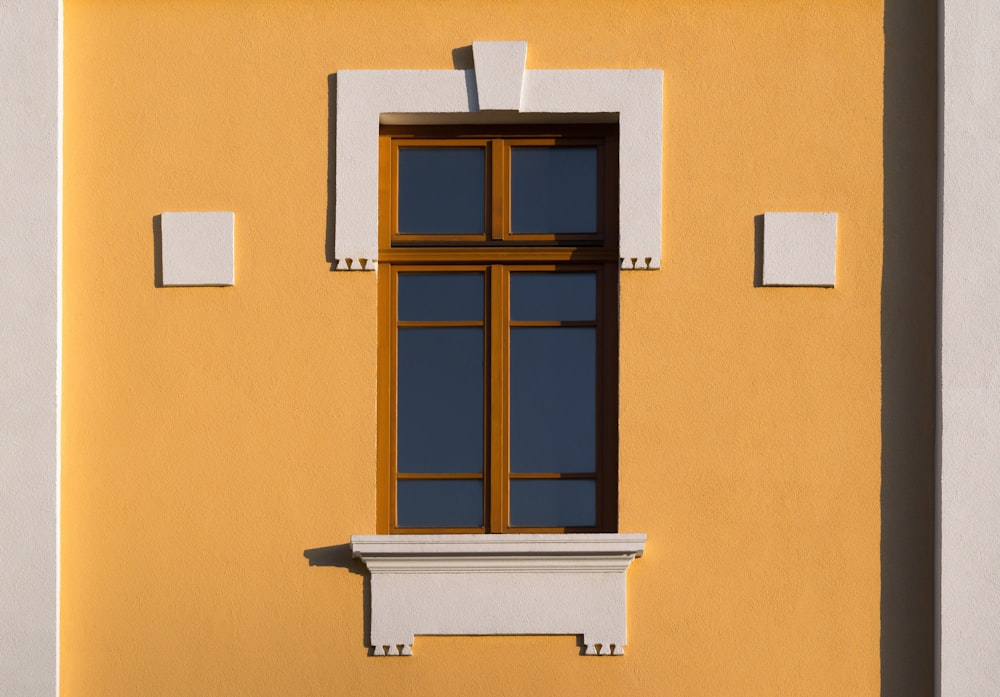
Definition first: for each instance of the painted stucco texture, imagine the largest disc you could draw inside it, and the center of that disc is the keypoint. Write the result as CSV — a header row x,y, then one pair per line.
x,y
213,436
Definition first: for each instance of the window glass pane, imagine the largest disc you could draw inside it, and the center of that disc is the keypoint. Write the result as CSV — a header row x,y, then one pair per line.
x,y
439,400
550,503
553,189
553,296
433,503
553,399
441,191
440,296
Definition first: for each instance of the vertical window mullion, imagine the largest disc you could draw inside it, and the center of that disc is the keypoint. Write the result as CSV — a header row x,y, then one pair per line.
x,y
387,399
599,430
608,404
498,412
386,190
602,188
497,188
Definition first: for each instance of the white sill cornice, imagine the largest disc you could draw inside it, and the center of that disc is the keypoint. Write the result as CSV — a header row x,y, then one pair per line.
x,y
498,584
577,552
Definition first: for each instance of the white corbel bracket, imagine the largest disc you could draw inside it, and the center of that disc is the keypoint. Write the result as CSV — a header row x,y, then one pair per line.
x,y
499,85
498,584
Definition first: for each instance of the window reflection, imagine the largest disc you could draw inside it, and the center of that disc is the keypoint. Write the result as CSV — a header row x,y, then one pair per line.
x,y
439,400
440,503
553,399
546,503
440,296
553,190
553,296
441,191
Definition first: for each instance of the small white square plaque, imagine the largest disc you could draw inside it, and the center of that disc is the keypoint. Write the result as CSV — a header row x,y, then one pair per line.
x,y
197,249
800,249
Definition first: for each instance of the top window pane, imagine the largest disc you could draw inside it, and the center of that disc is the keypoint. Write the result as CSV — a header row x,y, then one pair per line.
x,y
442,191
434,297
553,296
553,190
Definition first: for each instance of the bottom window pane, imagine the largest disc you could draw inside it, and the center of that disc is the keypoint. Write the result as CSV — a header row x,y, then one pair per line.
x,y
553,503
439,503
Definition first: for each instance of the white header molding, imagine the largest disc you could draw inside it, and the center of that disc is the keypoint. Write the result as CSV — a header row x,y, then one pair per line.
x,y
500,90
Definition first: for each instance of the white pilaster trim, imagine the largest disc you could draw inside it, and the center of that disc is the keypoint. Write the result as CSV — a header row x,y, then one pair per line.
x,y
31,112
969,445
366,97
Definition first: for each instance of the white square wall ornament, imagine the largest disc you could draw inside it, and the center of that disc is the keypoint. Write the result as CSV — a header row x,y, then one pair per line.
x,y
197,248
800,249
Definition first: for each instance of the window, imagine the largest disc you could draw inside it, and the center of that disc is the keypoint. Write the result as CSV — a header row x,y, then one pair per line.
x,y
466,584
498,329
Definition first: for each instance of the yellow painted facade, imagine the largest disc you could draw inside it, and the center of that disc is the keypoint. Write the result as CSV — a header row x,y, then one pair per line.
x,y
211,436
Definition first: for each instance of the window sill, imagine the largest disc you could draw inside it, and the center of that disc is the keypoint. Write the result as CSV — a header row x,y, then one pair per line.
x,y
498,584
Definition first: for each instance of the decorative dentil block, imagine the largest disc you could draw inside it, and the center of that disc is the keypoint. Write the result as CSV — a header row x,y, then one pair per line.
x,y
197,249
800,249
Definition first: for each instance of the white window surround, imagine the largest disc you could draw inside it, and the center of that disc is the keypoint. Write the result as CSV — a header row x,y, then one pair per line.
x,y
498,584
499,90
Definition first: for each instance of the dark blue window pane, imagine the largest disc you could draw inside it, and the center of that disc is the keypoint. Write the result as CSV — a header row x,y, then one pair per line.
x,y
441,191
553,190
440,296
429,503
551,503
553,399
439,400
553,296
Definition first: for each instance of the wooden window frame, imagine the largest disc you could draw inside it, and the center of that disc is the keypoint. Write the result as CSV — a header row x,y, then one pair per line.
x,y
497,254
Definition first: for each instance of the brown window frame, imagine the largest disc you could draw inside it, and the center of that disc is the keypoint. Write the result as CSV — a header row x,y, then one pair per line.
x,y
497,254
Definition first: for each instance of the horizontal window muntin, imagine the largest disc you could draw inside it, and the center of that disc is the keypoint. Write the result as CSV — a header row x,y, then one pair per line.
x,y
509,499
538,187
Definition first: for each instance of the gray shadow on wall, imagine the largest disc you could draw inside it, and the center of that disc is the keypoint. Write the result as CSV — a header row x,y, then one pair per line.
x,y
909,345
157,251
331,169
462,58
758,251
339,556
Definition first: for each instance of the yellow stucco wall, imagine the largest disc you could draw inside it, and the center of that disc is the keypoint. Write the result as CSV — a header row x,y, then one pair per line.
x,y
211,436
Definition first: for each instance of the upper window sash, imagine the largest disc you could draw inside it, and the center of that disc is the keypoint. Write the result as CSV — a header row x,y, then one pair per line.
x,y
532,186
